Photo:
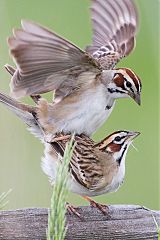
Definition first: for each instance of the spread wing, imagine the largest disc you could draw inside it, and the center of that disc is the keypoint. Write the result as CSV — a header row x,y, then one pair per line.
x,y
115,24
46,61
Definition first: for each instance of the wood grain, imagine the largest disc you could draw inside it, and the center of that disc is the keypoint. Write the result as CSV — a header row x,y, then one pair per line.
x,y
123,222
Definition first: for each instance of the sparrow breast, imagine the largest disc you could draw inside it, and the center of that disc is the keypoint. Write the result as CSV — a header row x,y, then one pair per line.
x,y
84,113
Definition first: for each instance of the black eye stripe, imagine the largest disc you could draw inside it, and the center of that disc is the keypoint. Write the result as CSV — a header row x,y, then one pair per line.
x,y
121,138
111,90
117,139
127,82
130,85
132,90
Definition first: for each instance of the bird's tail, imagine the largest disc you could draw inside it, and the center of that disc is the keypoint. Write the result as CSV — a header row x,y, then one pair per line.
x,y
25,112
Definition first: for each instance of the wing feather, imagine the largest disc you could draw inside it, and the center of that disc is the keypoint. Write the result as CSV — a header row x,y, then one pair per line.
x,y
115,24
45,60
85,165
89,166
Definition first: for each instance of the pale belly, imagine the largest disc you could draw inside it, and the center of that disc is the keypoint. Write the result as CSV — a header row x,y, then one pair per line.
x,y
88,114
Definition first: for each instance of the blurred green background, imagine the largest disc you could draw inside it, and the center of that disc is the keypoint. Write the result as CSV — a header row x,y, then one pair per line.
x,y
20,152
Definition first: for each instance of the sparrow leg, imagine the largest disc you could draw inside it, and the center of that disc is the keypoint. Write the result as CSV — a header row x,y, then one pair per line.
x,y
71,209
36,98
103,208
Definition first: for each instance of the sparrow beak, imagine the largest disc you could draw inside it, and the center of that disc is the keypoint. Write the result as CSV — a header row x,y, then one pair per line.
x,y
137,99
132,135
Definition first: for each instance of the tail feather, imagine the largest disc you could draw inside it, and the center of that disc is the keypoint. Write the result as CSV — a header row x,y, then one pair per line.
x,y
25,112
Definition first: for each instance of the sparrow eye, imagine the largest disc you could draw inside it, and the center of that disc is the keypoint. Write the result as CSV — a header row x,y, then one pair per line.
x,y
117,139
128,84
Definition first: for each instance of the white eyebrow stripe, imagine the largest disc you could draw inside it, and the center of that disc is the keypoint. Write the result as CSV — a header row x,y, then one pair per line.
x,y
137,81
133,83
130,79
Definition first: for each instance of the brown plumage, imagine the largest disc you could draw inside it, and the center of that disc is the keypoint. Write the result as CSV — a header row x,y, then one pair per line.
x,y
85,83
95,168
48,62
89,165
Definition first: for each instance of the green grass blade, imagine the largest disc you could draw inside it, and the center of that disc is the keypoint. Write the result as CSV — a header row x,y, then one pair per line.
x,y
56,216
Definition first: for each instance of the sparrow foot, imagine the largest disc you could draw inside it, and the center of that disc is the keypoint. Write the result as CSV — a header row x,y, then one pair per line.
x,y
103,208
72,210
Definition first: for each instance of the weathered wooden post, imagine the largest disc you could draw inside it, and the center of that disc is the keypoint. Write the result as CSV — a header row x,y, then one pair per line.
x,y
123,222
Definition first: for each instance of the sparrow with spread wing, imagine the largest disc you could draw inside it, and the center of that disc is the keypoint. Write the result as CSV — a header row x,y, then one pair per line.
x,y
86,83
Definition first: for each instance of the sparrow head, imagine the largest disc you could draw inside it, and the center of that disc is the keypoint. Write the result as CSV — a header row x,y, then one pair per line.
x,y
125,83
117,143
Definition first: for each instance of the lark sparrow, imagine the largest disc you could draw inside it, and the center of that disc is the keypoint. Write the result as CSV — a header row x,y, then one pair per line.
x,y
95,168
85,83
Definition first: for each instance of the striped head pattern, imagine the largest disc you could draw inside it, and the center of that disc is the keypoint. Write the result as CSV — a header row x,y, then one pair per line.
x,y
117,143
125,83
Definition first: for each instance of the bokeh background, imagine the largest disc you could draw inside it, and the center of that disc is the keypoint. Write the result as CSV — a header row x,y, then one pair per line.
x,y
20,152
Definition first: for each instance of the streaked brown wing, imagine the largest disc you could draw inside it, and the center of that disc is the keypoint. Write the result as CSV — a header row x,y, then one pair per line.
x,y
115,24
86,166
89,166
45,61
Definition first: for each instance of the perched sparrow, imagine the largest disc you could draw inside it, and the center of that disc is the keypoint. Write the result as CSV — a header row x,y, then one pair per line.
x,y
85,83
95,168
